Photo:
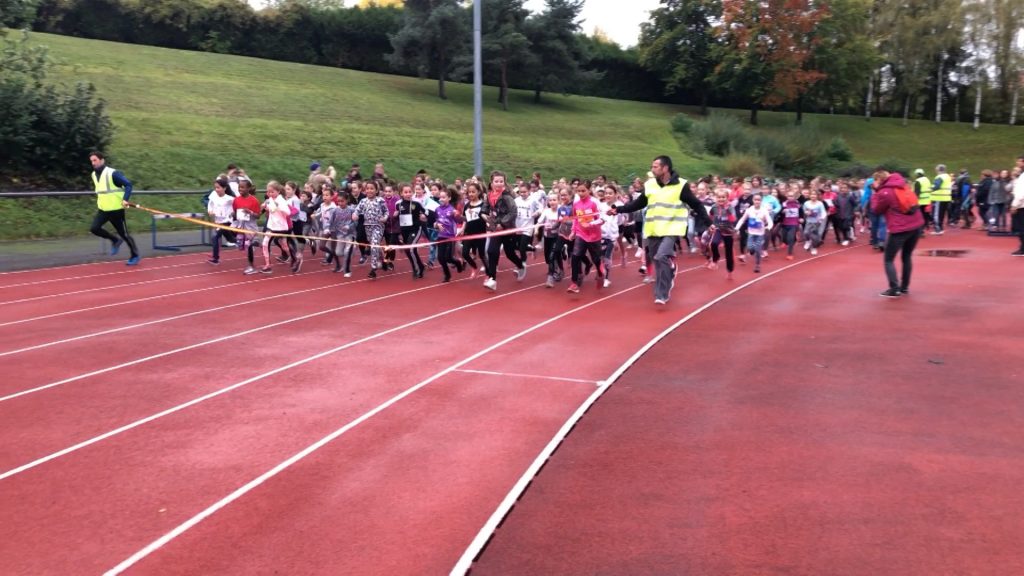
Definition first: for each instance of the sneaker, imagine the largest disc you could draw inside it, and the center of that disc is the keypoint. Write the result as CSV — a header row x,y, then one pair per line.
x,y
649,280
362,259
757,269
643,269
373,273
639,253
790,257
660,302
904,292
845,242
743,258
115,246
521,274
712,266
491,284
348,274
132,261
483,269
573,288
1017,253
764,254
807,245
213,261
938,232
297,266
607,283
230,244
249,271
550,283
472,274
267,270
282,259
814,251
890,293
693,249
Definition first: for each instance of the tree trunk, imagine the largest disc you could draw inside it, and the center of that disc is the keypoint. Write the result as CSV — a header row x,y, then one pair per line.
x,y
906,109
938,92
956,107
704,102
536,95
504,86
1013,104
871,96
799,110
753,113
441,69
977,107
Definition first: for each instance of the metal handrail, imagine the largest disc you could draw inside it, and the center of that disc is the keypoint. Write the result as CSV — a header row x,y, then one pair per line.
x,y
41,193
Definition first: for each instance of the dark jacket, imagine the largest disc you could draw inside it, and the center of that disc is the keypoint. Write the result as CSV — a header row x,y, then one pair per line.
x,y
503,217
686,196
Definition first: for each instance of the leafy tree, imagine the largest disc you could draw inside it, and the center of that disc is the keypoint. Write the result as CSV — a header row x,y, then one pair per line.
x,y
678,45
845,53
432,37
558,53
766,50
505,46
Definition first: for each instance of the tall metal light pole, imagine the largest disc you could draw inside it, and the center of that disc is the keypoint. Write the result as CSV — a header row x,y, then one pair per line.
x,y
478,99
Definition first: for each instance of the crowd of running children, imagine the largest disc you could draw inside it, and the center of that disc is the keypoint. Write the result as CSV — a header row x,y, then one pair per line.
x,y
374,219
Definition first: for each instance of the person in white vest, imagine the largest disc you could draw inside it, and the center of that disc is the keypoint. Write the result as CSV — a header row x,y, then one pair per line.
x,y
112,193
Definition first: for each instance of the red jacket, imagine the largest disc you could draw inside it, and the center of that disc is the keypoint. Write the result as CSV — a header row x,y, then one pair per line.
x,y
883,201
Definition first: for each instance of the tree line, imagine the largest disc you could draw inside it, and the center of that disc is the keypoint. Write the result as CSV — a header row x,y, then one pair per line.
x,y
935,59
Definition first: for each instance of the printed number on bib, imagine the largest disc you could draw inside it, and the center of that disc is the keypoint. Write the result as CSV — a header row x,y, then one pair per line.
x,y
405,220
242,215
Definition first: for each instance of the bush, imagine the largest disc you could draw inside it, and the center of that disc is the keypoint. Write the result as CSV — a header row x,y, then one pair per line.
x,y
682,124
838,149
895,165
46,131
722,133
773,151
743,163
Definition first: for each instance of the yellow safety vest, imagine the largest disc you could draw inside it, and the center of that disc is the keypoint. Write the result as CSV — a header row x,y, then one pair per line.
x,y
108,195
666,215
944,193
925,198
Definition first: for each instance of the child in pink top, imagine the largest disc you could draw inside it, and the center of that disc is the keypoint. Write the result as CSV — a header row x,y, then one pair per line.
x,y
586,232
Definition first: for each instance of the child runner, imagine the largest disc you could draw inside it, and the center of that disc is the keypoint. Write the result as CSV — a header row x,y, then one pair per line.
x,y
609,233
501,217
410,217
758,219
299,216
247,211
278,216
815,221
548,221
374,212
446,224
392,231
586,231
343,230
526,213
723,229
473,212
791,217
221,208
563,240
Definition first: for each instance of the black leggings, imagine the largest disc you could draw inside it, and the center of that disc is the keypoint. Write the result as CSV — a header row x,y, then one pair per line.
x,y
478,247
508,242
411,237
446,256
581,249
116,218
720,238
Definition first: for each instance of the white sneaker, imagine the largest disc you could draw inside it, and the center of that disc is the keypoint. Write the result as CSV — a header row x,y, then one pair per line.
x,y
814,251
649,280
807,245
483,269
639,253
249,271
660,302
846,242
491,284
348,274
230,245
607,282
521,274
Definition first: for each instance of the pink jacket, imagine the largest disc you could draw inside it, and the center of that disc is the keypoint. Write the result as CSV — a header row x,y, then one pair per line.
x,y
883,201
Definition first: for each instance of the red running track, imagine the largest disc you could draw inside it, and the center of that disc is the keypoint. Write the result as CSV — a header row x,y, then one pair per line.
x,y
402,426
821,430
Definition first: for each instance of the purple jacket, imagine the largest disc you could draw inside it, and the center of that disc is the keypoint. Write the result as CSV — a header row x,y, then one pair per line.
x,y
447,218
883,201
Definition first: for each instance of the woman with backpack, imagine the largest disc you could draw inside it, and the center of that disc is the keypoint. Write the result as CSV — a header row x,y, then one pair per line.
x,y
897,202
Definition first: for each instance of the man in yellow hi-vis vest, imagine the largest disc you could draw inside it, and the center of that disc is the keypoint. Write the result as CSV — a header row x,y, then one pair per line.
x,y
666,197
942,195
112,193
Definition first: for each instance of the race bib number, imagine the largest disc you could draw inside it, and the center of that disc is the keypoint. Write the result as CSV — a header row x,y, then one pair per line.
x,y
472,215
242,215
405,220
754,224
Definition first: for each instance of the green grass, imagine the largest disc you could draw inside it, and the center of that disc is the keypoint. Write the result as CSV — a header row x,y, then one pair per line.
x,y
182,116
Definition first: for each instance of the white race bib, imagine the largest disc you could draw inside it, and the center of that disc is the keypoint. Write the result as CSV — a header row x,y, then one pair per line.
x,y
242,215
405,220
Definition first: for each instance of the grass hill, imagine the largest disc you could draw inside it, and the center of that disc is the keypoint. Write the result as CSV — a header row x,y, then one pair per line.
x,y
182,116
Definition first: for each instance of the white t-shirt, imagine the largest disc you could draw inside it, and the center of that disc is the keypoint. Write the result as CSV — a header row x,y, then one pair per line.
x,y
221,208
278,214
759,220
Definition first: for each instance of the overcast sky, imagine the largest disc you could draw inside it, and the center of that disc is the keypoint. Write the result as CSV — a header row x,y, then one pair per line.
x,y
620,19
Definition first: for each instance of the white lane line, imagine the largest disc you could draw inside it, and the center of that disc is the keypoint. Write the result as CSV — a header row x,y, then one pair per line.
x,y
112,287
487,531
220,338
248,381
537,376
134,270
252,484
157,297
111,262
